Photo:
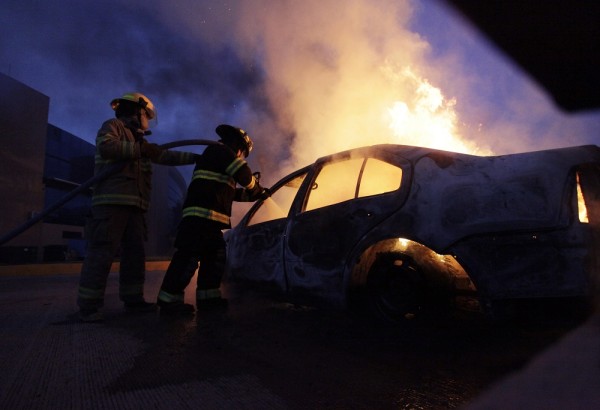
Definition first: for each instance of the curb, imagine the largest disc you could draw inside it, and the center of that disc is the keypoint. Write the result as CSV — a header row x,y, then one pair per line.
x,y
67,268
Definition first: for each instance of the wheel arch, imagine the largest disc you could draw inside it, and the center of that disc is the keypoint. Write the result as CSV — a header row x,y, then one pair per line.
x,y
439,270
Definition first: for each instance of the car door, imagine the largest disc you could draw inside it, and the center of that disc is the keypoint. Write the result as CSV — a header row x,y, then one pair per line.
x,y
346,198
255,245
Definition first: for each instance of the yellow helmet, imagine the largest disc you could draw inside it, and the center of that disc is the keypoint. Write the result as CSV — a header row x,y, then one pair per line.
x,y
139,99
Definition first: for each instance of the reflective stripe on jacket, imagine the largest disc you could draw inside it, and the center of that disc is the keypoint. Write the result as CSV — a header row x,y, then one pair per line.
x,y
213,186
115,142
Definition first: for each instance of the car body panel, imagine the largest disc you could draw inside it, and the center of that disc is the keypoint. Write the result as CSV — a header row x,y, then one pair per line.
x,y
255,253
508,223
320,240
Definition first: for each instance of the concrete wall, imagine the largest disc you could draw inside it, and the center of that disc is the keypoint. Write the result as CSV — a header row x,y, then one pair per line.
x,y
24,133
23,124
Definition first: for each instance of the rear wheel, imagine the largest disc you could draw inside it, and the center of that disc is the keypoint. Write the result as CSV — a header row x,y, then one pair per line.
x,y
396,289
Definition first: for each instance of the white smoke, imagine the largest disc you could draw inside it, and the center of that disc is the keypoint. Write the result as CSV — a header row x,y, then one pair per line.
x,y
305,78
339,74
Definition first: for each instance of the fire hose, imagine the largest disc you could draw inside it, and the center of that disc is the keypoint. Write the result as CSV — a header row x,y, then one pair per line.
x,y
116,167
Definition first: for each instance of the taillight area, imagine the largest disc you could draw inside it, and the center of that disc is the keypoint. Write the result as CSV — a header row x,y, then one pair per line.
x,y
581,207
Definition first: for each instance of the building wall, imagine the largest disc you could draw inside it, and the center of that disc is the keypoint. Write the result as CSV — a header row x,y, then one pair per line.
x,y
168,190
23,123
69,162
40,164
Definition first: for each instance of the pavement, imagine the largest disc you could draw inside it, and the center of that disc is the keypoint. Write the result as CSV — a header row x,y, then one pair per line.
x,y
565,376
51,361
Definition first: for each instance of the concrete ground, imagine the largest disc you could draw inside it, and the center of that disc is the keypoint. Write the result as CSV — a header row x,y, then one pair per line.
x,y
564,376
51,361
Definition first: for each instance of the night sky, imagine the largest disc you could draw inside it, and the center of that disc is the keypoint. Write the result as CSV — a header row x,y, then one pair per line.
x,y
304,78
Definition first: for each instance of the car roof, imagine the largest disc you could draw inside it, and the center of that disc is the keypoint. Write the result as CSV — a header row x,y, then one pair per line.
x,y
414,153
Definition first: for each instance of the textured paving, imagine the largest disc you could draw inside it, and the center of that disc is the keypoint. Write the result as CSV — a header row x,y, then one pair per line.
x,y
565,376
51,361
261,354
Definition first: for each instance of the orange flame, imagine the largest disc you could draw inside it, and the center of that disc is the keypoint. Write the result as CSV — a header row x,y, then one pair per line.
x,y
429,119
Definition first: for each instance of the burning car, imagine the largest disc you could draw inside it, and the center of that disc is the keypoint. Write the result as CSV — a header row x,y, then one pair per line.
x,y
403,228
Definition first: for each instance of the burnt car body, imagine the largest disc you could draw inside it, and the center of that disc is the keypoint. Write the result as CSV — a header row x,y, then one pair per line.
x,y
401,227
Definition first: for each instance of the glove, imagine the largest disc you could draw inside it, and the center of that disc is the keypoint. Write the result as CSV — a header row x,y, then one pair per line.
x,y
258,192
266,193
149,150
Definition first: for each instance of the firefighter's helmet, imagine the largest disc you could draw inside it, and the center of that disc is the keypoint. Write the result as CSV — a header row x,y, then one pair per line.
x,y
235,138
139,99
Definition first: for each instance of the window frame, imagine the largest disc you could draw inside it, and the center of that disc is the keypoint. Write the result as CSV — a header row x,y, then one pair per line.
x,y
392,159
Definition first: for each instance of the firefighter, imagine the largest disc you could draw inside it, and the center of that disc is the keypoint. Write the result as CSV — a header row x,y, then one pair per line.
x,y
119,203
206,212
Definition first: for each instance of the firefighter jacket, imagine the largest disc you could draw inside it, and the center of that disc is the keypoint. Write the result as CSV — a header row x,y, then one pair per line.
x,y
213,186
116,142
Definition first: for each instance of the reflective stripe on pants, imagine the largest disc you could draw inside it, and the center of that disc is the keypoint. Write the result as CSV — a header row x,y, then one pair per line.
x,y
109,228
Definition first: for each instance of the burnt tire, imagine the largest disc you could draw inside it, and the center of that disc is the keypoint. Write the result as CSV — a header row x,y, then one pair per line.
x,y
396,289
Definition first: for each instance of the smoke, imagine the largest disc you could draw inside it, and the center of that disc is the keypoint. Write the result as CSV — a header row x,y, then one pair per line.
x,y
335,75
304,78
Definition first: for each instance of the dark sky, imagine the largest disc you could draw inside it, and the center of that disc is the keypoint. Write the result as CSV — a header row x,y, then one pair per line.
x,y
304,78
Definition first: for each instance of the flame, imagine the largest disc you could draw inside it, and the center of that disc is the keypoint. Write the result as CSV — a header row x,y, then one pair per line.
x,y
581,207
428,119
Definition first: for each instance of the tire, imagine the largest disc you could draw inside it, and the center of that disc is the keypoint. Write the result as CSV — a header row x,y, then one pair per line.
x,y
396,289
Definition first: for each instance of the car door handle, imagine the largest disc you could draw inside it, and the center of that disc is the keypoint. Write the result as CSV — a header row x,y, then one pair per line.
x,y
362,213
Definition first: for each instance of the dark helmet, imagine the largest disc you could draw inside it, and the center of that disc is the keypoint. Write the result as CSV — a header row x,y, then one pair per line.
x,y
235,138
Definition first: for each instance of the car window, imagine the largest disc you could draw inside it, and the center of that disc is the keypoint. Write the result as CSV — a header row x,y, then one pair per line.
x,y
335,183
379,177
278,204
353,178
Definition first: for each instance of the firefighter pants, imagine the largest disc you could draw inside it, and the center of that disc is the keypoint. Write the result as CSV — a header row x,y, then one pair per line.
x,y
111,228
198,241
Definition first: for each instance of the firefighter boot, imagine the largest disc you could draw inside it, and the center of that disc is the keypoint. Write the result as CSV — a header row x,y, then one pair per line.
x,y
210,300
90,316
176,309
140,306
172,304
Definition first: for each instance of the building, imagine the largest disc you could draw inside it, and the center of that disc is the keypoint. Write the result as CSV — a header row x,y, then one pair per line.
x,y
40,164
